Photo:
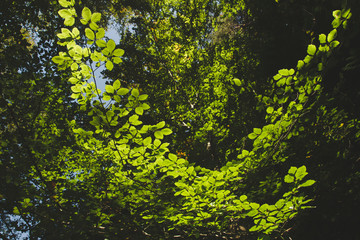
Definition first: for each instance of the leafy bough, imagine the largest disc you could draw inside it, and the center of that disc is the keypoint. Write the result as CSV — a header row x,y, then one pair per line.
x,y
155,185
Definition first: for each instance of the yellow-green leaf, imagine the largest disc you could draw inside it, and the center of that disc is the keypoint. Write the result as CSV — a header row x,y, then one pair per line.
x,y
117,60
93,26
89,34
123,91
69,21
100,43
116,84
135,92
139,110
95,17
86,14
111,45
237,82
118,52
109,65
100,33
109,89
65,13
311,50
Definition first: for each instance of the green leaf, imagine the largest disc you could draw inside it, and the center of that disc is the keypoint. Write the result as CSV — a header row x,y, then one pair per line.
x,y
100,43
172,157
106,97
334,44
109,65
65,3
190,170
289,179
253,213
254,205
117,98
322,38
143,97
65,13
237,82
307,183
89,34
158,135
288,80
257,131
95,17
116,84
109,89
139,110
111,45
105,51
311,50
65,33
117,60
220,195
336,23
308,58
284,72
93,26
100,33
300,64
86,14
76,88
281,82
69,21
160,124
252,135
118,52
336,13
16,211
145,106
135,92
123,91
74,66
166,131
346,13
301,173
332,35
270,110
75,95
277,77
83,21
147,141
243,198
280,203
73,80
58,59
75,33
292,170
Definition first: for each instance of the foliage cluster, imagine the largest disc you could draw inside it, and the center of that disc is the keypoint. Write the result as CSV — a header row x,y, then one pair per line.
x,y
181,143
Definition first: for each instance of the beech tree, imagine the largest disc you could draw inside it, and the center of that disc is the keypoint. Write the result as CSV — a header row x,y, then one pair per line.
x,y
184,141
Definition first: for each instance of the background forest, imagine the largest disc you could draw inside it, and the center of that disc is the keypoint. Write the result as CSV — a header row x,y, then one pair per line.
x,y
218,119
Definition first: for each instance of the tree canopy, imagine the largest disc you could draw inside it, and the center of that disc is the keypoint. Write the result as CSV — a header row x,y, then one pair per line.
x,y
208,127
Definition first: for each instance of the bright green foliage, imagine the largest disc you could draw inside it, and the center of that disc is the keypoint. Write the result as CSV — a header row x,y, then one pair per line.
x,y
145,170
121,178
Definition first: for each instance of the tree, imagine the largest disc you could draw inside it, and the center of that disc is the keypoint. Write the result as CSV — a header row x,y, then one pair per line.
x,y
114,175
